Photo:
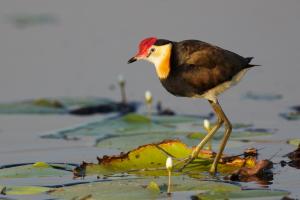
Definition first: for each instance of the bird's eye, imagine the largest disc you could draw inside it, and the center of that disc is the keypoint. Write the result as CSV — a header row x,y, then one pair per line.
x,y
152,50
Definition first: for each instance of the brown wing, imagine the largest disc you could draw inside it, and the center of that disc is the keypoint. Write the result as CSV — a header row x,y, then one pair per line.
x,y
204,66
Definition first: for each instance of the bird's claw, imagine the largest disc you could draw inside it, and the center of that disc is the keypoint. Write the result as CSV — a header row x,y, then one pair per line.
x,y
185,162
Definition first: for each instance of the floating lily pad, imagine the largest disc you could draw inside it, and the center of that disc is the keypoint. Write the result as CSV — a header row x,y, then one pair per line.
x,y
125,142
120,132
262,96
39,169
53,105
290,115
171,119
153,156
139,189
295,141
23,190
26,20
294,114
241,125
242,194
235,134
128,124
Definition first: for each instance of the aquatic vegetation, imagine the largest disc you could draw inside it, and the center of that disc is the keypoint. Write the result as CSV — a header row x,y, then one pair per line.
x,y
294,157
141,173
262,96
67,105
150,160
293,114
27,20
120,132
294,141
156,188
39,169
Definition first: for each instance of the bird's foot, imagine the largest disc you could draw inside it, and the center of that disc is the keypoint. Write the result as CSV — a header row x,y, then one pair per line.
x,y
184,162
213,169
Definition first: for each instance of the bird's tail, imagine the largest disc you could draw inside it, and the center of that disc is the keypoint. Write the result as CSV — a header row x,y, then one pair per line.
x,y
248,60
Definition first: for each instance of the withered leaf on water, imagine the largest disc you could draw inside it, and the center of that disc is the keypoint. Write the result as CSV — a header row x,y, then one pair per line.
x,y
294,157
260,173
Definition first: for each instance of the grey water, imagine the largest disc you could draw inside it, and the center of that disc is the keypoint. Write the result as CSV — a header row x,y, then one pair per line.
x,y
78,48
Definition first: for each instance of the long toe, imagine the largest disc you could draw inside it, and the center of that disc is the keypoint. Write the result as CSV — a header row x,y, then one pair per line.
x,y
213,169
185,163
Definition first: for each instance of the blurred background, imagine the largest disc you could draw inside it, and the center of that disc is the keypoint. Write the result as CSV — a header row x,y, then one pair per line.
x,y
78,48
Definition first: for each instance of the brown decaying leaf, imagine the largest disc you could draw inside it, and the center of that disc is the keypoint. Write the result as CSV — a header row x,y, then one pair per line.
x,y
294,157
260,173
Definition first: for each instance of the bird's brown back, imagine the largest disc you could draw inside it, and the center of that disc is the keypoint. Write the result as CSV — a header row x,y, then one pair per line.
x,y
197,67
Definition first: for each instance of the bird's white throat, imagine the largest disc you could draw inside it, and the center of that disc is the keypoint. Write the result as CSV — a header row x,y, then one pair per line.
x,y
161,59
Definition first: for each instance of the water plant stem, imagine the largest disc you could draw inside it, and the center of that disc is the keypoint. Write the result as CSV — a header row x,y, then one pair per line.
x,y
123,93
169,182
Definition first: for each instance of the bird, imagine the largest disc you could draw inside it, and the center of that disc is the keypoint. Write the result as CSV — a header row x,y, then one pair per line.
x,y
196,69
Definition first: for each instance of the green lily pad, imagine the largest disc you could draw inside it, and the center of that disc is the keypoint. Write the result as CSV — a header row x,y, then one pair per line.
x,y
235,134
23,190
51,105
150,160
295,141
27,20
36,170
125,142
128,124
118,133
173,119
262,96
242,194
139,189
290,115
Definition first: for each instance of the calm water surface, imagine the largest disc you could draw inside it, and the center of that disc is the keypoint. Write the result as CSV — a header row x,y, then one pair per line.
x,y
88,44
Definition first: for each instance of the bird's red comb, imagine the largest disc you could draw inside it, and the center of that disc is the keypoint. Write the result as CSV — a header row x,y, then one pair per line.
x,y
145,44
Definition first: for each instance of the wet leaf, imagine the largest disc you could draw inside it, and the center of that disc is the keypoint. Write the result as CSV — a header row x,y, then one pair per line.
x,y
150,160
242,194
138,188
290,115
295,141
259,172
236,134
39,169
52,105
294,114
24,190
173,119
113,127
153,186
294,157
27,20
125,142
241,125
105,108
41,164
262,96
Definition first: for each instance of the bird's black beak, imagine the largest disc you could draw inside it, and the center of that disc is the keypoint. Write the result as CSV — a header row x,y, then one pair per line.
x,y
131,60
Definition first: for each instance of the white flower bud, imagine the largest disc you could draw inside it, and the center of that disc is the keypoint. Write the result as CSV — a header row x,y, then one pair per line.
x,y
206,124
121,79
148,96
169,163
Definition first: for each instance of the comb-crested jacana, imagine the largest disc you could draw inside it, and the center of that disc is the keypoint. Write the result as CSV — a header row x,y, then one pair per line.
x,y
193,68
